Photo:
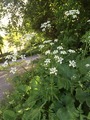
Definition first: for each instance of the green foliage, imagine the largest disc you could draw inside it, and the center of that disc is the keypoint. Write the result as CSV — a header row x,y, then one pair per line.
x,y
69,30
41,95
59,86
31,45
9,115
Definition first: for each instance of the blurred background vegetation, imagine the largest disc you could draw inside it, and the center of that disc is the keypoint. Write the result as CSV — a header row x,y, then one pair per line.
x,y
25,16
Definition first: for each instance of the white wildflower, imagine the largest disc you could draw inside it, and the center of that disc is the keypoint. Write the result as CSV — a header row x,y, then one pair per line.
x,y
51,43
47,41
74,13
72,63
14,59
43,30
74,16
41,46
87,65
55,52
53,71
59,47
47,61
77,11
88,20
47,52
23,57
13,70
42,25
5,64
45,25
67,13
56,57
63,52
48,21
8,57
56,40
71,51
49,25
60,60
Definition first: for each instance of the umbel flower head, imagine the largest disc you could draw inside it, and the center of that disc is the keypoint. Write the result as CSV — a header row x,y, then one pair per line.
x,y
53,71
47,52
47,61
72,63
5,64
13,70
45,25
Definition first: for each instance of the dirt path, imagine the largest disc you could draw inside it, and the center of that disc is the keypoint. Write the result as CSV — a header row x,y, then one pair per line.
x,y
5,85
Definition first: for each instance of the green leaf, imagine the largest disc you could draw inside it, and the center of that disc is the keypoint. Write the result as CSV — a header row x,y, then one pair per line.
x,y
34,114
23,88
88,101
80,95
66,71
62,114
81,64
88,116
9,115
64,83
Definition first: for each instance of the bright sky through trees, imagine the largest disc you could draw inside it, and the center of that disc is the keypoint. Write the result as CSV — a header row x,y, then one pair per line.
x,y
5,20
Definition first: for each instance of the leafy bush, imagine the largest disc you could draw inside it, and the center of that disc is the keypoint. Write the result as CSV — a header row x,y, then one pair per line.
x,y
57,89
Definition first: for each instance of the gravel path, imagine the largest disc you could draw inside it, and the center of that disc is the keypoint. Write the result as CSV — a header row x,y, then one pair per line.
x,y
5,85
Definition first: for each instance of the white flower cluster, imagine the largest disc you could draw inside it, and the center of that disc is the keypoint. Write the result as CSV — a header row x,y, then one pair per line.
x,y
87,65
71,51
45,25
8,57
53,70
5,64
23,57
47,41
13,58
47,61
58,59
56,40
72,63
51,43
41,46
63,52
88,21
13,70
55,52
58,54
72,13
47,52
60,48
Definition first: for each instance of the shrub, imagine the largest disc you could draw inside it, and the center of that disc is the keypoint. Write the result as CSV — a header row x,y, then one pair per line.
x,y
57,89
